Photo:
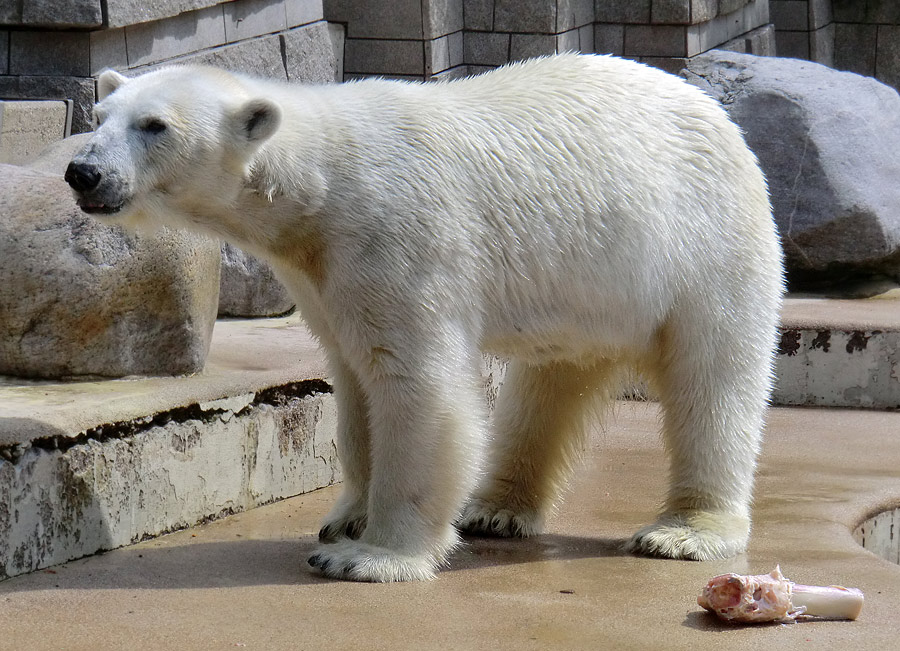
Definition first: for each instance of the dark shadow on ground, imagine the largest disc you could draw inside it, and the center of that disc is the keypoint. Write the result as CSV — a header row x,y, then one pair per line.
x,y
164,565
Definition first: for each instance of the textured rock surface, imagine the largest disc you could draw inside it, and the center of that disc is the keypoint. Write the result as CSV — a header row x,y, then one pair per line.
x,y
248,287
828,143
81,298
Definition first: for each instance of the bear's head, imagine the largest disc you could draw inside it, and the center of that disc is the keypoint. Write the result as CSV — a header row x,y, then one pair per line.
x,y
169,145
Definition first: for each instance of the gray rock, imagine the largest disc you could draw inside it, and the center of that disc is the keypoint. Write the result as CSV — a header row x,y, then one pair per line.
x,y
249,288
828,143
83,299
54,158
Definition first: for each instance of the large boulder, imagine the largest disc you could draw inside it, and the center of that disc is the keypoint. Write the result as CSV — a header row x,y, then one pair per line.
x,y
828,143
84,299
249,287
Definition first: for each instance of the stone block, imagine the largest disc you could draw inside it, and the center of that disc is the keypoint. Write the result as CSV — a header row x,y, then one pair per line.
x,y
883,12
173,37
121,13
337,35
78,89
381,57
820,13
52,13
437,55
586,38
609,39
108,50
855,48
729,6
887,56
250,18
309,54
457,72
479,15
528,16
399,19
443,17
792,45
92,301
790,15
671,12
27,127
526,46
821,45
457,56
622,11
486,49
655,41
261,57
849,11
568,41
709,35
248,287
50,53
703,10
4,52
303,12
571,14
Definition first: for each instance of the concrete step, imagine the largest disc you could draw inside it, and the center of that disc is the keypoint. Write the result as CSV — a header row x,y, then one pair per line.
x,y
840,353
243,582
95,465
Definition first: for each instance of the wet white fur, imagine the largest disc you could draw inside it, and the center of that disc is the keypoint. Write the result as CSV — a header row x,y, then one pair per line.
x,y
580,214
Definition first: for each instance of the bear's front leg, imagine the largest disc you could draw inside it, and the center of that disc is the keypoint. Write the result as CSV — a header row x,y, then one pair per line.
x,y
425,434
348,517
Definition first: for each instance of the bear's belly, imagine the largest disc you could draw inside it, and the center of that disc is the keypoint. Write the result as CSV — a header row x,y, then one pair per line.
x,y
560,345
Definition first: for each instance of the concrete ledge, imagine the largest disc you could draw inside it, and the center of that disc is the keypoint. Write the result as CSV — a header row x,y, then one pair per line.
x,y
96,465
840,353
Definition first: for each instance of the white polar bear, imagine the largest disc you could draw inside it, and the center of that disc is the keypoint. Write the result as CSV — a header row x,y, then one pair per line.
x,y
579,214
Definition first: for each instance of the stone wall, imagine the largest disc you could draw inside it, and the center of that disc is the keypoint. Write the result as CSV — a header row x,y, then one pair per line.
x,y
424,39
861,36
52,49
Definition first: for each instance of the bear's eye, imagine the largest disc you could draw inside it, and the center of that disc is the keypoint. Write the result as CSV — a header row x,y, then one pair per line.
x,y
153,126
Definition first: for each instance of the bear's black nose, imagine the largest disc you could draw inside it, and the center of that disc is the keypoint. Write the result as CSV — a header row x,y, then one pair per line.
x,y
82,176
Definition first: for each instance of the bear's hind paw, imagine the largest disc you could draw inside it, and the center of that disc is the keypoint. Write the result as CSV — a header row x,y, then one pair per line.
x,y
695,535
342,528
481,518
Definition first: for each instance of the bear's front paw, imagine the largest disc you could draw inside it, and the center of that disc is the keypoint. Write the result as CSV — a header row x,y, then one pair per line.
x,y
355,561
482,518
693,535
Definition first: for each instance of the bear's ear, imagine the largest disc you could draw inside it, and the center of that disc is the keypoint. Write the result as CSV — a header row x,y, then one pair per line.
x,y
256,120
108,82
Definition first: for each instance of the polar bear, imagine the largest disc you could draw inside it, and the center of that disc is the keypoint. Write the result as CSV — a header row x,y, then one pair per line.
x,y
578,214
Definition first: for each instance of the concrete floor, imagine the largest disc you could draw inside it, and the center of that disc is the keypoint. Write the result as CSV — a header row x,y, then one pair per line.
x,y
243,581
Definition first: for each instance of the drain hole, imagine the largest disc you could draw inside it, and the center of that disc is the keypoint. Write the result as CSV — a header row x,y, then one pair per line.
x,y
880,534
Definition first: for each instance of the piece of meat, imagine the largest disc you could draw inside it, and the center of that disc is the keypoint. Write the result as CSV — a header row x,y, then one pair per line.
x,y
771,598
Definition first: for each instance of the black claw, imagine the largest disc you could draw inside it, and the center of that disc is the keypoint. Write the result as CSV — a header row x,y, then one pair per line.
x,y
314,560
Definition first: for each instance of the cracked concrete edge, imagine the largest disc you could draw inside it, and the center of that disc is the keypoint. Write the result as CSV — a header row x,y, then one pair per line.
x,y
98,494
838,368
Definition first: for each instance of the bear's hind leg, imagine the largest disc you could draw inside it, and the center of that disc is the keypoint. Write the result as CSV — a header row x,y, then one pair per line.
x,y
539,434
713,388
